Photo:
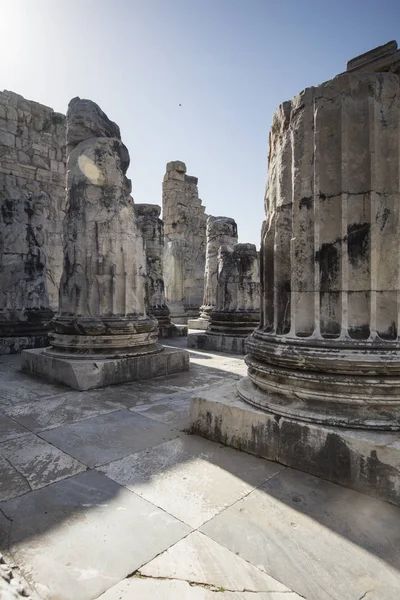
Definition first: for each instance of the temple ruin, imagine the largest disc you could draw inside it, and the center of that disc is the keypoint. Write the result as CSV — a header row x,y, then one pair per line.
x,y
325,360
102,332
185,243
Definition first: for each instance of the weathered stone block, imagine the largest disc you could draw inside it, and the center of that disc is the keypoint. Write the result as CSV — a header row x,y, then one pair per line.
x,y
362,460
97,372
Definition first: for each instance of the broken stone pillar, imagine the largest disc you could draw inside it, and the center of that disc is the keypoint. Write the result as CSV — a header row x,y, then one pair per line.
x,y
221,231
328,348
185,243
152,229
32,202
237,310
102,333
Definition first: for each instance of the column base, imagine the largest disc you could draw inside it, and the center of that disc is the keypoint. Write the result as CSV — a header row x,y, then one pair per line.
x,y
367,461
199,323
172,330
234,344
15,344
85,374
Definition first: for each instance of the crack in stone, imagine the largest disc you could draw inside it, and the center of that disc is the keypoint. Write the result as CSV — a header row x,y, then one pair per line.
x,y
19,472
207,586
365,594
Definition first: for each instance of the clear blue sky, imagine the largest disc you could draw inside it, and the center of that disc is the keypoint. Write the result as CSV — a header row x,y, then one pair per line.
x,y
230,63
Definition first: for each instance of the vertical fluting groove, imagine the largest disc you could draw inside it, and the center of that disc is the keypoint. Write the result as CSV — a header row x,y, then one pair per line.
x,y
317,294
373,212
295,216
398,224
344,215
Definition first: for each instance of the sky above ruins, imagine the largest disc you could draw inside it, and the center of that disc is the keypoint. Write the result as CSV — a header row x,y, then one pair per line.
x,y
191,80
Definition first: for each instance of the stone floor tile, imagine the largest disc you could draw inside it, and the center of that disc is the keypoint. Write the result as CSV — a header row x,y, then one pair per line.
x,y
137,393
81,536
136,588
190,477
12,483
9,429
172,410
37,461
46,413
18,387
199,559
324,541
106,438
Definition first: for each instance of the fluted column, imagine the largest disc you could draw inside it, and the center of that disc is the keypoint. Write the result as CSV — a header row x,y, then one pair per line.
x,y
237,310
328,348
221,231
102,292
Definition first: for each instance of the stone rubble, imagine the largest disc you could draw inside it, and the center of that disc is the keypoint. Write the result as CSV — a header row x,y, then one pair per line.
x,y
32,204
185,243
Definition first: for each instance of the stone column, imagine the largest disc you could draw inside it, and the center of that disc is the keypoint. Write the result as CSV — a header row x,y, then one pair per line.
x,y
220,231
102,313
32,202
237,310
328,349
185,243
152,229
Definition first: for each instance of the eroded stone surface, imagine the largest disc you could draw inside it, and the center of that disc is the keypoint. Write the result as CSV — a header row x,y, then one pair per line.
x,y
32,202
328,342
185,242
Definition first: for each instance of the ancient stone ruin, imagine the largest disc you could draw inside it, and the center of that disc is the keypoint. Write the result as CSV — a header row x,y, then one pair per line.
x,y
185,243
32,202
237,310
324,364
221,231
152,229
102,312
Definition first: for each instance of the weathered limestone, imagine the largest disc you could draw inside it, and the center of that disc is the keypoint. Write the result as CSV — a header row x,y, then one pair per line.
x,y
102,313
152,229
327,349
32,203
237,310
185,243
221,231
381,59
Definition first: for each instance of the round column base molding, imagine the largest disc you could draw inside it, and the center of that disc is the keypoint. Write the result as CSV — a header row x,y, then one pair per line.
x,y
339,400
102,346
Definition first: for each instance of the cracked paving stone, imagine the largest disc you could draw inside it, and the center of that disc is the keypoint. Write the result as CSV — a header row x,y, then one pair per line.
x,y
199,559
136,588
78,537
32,464
322,540
190,477
103,439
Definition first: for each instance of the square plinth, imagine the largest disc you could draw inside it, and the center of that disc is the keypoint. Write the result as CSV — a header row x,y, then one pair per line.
x,y
364,460
219,342
85,374
198,323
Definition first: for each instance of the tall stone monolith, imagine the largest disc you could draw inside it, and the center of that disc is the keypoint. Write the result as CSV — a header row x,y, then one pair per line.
x,y
185,243
237,309
102,332
221,231
152,229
